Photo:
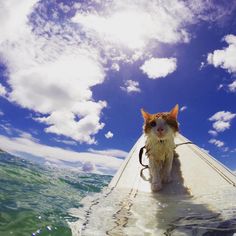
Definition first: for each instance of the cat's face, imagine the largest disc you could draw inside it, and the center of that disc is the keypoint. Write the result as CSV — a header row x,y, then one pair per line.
x,y
161,125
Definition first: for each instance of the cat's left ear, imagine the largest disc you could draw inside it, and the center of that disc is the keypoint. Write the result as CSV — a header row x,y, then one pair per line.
x,y
174,112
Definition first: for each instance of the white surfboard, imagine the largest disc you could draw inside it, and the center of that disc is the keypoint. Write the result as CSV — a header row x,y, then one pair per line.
x,y
200,199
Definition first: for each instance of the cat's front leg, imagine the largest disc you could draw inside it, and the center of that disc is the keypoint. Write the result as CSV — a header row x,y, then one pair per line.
x,y
166,171
155,168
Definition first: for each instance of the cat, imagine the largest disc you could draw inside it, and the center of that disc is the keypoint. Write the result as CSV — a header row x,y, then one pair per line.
x,y
160,130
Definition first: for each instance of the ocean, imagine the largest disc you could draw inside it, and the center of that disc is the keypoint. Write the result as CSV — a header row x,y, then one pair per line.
x,y
41,200
35,199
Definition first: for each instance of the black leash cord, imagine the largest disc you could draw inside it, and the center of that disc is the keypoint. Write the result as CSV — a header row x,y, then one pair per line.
x,y
140,157
179,144
141,153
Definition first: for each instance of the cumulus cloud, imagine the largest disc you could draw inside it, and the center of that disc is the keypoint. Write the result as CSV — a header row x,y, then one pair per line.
x,y
222,115
54,63
109,135
131,86
221,86
212,132
226,57
183,108
51,76
115,67
159,67
110,152
14,17
222,120
95,162
88,167
216,142
221,126
3,91
232,87
120,22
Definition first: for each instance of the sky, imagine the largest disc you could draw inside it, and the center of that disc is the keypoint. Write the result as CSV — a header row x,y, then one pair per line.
x,y
75,74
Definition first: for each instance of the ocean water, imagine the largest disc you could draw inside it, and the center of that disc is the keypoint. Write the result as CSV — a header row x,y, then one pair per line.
x,y
38,200
35,199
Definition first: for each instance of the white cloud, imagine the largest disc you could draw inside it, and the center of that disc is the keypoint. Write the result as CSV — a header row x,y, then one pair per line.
x,y
12,131
54,78
3,91
131,86
67,142
119,22
233,150
63,122
205,150
109,135
222,115
212,11
216,142
6,128
220,87
232,87
221,125
115,67
202,65
212,132
110,152
57,156
226,57
183,108
13,18
225,149
159,67
222,120
1,113
88,167
53,66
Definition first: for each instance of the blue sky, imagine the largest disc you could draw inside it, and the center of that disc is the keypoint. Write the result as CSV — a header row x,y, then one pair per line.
x,y
74,75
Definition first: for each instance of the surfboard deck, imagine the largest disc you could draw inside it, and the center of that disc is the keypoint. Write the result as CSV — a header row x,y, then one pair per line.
x,y
201,198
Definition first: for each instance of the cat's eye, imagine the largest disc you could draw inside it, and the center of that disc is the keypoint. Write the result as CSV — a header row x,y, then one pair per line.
x,y
153,123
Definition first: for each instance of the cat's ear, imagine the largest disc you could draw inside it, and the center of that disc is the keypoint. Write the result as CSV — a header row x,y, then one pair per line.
x,y
145,114
174,112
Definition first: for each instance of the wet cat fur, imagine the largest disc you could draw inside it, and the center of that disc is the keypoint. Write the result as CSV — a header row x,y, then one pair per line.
x,y
160,130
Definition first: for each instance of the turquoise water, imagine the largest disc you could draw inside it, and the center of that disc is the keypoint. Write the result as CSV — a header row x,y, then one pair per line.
x,y
35,199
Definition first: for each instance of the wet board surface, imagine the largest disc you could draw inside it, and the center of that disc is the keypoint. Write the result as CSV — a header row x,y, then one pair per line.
x,y
199,201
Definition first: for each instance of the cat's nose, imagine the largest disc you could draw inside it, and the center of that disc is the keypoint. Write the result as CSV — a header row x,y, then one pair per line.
x,y
160,129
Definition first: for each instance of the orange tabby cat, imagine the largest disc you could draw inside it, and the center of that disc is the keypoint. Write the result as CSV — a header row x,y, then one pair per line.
x,y
160,129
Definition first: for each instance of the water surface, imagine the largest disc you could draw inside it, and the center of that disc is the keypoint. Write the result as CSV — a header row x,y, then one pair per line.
x,y
35,199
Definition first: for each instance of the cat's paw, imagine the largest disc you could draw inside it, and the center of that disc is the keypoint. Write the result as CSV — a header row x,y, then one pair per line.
x,y
156,186
167,179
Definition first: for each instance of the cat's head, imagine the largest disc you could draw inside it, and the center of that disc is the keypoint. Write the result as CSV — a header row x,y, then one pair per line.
x,y
161,125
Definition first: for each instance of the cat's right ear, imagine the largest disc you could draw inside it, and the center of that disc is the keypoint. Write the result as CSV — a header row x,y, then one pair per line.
x,y
145,114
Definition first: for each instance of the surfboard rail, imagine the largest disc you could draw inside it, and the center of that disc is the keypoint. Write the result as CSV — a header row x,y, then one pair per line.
x,y
200,171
